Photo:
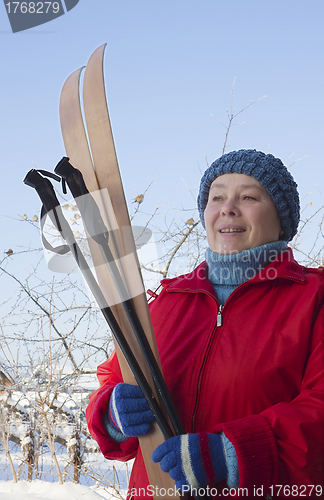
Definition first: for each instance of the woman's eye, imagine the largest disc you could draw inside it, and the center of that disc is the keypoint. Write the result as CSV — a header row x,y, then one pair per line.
x,y
248,198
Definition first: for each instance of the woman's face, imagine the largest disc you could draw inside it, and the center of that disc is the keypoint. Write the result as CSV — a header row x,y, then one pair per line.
x,y
239,215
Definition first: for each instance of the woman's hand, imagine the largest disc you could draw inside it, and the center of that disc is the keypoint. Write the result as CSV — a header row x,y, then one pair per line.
x,y
196,460
129,411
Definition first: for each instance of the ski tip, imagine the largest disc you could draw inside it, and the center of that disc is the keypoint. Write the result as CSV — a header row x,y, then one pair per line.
x,y
102,46
99,51
75,75
70,88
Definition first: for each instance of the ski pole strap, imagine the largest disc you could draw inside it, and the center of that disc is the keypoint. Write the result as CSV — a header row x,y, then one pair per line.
x,y
61,249
46,173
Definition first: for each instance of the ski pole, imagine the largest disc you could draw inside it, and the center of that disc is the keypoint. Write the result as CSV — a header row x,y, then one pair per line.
x,y
52,208
97,230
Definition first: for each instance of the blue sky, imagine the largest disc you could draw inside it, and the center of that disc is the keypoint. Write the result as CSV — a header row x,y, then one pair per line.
x,y
168,66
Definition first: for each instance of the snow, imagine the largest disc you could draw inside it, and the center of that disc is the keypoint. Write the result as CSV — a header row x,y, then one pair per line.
x,y
42,490
22,420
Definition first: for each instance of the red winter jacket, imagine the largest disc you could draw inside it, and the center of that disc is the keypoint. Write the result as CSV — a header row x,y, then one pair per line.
x,y
259,377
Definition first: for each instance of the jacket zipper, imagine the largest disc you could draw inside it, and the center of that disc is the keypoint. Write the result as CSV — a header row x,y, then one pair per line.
x,y
219,316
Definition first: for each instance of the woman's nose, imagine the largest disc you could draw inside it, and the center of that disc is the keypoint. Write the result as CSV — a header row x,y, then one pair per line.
x,y
230,208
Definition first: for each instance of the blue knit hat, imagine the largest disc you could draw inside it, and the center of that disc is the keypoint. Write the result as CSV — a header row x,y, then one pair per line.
x,y
272,175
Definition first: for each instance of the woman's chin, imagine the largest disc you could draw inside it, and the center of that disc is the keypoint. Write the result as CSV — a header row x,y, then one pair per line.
x,y
229,248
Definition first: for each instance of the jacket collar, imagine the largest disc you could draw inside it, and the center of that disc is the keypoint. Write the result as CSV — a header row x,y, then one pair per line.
x,y
283,267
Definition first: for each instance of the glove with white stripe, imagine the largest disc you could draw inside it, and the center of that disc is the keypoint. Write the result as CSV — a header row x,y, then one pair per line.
x,y
129,412
198,460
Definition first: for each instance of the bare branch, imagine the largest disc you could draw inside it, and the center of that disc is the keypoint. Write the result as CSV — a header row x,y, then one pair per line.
x,y
232,115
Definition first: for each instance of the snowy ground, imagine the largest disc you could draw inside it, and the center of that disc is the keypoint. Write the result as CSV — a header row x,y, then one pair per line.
x,y
98,478
42,490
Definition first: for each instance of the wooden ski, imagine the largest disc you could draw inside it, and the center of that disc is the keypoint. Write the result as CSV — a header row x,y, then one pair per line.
x,y
97,161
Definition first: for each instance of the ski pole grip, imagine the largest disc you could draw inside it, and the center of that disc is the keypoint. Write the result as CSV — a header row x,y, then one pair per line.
x,y
88,208
51,205
44,189
72,177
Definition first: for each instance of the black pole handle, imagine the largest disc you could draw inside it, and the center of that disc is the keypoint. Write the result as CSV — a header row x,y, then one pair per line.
x,y
88,207
51,204
44,189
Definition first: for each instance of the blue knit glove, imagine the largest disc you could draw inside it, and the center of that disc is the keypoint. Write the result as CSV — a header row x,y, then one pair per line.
x,y
129,412
196,460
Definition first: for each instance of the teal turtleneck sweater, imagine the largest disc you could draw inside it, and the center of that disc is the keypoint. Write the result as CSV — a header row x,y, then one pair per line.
x,y
226,272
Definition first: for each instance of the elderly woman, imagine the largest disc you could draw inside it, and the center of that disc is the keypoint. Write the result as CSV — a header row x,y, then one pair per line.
x,y
241,346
